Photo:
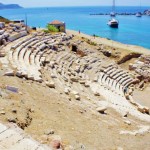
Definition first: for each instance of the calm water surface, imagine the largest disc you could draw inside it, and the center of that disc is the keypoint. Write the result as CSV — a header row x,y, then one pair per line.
x,y
132,30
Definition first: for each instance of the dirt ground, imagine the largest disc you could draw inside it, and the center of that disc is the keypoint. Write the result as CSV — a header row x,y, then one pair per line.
x,y
78,126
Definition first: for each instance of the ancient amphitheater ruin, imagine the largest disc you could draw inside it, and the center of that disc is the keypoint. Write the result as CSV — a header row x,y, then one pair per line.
x,y
66,64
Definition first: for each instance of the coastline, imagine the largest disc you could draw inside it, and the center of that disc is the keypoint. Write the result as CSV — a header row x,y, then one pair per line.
x,y
111,43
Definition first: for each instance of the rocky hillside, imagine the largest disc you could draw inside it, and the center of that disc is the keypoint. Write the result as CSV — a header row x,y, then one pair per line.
x,y
9,6
2,19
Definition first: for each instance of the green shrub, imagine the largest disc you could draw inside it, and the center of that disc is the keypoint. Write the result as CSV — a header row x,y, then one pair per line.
x,y
97,36
52,28
46,31
91,42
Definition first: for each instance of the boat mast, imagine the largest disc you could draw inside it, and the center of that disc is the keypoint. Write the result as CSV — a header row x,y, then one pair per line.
x,y
140,6
113,8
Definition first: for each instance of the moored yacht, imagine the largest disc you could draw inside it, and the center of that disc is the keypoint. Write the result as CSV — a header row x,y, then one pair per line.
x,y
113,23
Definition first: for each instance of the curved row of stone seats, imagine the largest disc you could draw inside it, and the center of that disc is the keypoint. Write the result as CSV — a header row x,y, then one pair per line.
x,y
40,48
44,55
54,67
41,41
115,78
69,72
34,60
118,75
38,57
49,58
110,83
21,42
23,65
58,60
61,62
29,54
64,60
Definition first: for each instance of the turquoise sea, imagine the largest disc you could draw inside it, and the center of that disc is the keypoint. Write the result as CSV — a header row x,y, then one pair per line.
x,y
132,30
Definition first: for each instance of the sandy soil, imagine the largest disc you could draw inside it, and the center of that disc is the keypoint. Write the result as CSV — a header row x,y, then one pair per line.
x,y
77,126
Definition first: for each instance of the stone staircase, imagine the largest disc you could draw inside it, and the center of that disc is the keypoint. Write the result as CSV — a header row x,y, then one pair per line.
x,y
13,138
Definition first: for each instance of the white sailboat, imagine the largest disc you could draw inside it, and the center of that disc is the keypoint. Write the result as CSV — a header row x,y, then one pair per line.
x,y
113,23
139,14
113,14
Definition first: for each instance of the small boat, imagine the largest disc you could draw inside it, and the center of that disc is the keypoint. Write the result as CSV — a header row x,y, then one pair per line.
x,y
113,14
139,14
113,23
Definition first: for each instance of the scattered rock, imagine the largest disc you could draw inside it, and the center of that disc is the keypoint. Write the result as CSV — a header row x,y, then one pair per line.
x,y
2,112
127,122
50,84
101,109
12,89
82,82
59,71
14,120
87,85
48,132
56,144
66,90
77,97
73,79
53,76
95,79
125,114
96,94
31,110
75,92
14,111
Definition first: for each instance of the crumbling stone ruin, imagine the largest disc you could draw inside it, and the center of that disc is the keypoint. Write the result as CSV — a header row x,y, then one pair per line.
x,y
142,67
